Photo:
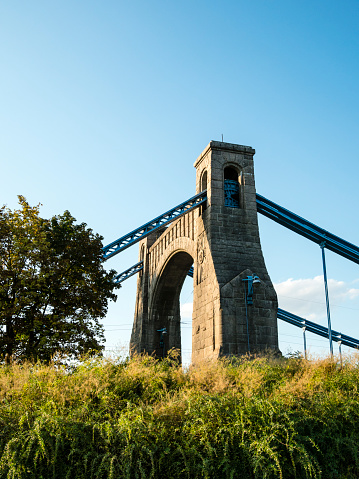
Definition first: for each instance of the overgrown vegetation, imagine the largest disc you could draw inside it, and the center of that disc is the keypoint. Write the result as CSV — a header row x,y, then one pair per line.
x,y
141,418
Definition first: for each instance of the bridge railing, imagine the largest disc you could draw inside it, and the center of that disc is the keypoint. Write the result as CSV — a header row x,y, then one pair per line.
x,y
276,213
307,229
283,315
264,206
317,329
136,268
139,233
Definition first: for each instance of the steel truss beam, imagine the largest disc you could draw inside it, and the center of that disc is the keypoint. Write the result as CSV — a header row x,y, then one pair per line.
x,y
282,314
267,208
264,206
308,230
317,328
136,268
136,235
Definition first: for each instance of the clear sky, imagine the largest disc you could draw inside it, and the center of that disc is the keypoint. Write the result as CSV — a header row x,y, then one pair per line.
x,y
104,106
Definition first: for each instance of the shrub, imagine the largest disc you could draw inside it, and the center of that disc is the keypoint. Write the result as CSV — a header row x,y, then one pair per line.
x,y
143,418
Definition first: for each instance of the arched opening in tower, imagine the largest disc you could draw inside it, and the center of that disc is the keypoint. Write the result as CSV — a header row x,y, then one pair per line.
x,y
165,308
186,306
203,187
231,187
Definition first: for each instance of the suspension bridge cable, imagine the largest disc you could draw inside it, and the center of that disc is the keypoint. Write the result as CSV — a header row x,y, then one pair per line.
x,y
307,229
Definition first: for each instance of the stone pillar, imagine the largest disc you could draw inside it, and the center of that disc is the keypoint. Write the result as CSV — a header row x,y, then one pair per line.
x,y
221,238
228,252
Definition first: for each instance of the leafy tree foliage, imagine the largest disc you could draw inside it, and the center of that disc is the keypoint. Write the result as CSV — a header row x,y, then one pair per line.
x,y
53,287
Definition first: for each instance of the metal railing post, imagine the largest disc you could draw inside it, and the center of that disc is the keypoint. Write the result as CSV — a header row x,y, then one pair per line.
x,y
340,354
305,343
322,246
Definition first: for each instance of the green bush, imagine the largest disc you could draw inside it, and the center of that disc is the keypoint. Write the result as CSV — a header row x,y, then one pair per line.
x,y
143,418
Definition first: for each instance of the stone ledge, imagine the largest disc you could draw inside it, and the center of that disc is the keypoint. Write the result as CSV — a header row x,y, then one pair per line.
x,y
222,146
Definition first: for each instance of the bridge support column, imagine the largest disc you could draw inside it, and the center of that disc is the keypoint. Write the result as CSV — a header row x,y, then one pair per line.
x,y
234,302
226,321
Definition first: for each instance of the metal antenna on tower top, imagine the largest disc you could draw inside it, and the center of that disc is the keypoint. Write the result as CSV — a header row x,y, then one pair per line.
x,y
222,137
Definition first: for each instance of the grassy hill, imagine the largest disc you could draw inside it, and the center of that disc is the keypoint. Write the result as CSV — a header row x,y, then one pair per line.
x,y
239,418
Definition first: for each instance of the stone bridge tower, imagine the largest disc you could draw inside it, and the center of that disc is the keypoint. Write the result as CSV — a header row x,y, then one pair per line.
x,y
234,302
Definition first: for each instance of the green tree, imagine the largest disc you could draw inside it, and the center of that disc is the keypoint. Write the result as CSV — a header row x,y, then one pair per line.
x,y
53,287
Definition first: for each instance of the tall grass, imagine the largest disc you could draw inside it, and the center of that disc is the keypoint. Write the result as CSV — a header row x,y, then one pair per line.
x,y
143,418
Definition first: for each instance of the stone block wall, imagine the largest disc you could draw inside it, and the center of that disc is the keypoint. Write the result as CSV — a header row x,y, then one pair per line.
x,y
224,246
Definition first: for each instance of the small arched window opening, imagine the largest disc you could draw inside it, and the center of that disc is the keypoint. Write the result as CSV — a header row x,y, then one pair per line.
x,y
142,258
204,187
231,187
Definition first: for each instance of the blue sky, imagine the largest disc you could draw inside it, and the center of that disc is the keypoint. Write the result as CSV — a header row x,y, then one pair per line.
x,y
104,106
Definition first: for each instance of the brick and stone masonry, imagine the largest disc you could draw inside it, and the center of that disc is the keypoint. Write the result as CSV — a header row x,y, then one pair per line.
x,y
222,242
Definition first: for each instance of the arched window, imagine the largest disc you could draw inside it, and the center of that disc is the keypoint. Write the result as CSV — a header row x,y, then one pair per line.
x,y
142,258
204,181
231,187
204,187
